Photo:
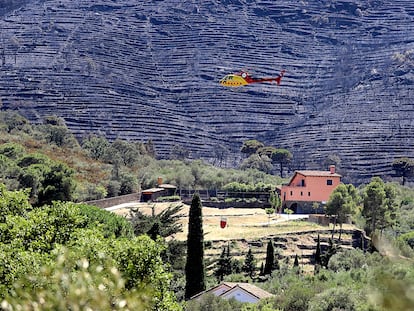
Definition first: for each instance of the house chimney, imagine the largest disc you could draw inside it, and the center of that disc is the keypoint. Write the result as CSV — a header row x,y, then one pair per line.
x,y
159,181
332,169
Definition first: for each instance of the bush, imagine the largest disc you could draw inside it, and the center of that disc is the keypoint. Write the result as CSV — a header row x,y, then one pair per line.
x,y
111,224
211,302
170,198
347,260
339,298
408,238
297,298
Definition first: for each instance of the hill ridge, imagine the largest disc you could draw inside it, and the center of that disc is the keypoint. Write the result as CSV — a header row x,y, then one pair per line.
x,y
150,70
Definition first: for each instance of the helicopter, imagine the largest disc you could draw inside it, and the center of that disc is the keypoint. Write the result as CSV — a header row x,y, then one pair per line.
x,y
243,78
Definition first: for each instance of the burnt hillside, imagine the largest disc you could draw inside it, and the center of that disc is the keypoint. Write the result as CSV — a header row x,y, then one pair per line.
x,y
150,69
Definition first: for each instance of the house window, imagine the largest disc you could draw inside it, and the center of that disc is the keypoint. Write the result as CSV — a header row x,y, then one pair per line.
x,y
301,193
302,183
329,182
291,193
309,194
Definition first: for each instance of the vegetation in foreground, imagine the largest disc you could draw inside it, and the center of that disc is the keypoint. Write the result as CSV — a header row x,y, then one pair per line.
x,y
67,256
57,255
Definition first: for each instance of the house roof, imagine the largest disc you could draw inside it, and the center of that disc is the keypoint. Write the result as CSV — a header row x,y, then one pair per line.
x,y
251,289
314,174
317,173
231,286
161,187
152,190
167,186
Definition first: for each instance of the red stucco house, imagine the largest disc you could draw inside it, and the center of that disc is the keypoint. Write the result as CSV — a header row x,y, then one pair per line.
x,y
307,187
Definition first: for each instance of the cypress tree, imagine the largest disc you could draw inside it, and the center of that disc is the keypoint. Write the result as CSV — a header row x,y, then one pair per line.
x,y
228,267
219,272
194,267
276,265
318,258
249,263
296,262
224,264
270,257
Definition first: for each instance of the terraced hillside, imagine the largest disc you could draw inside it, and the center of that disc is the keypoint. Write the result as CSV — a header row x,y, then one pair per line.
x,y
150,69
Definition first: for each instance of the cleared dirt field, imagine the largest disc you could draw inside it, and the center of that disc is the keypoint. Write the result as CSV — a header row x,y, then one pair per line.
x,y
242,223
249,228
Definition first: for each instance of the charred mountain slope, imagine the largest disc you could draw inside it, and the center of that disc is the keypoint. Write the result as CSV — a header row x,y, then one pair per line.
x,y
150,70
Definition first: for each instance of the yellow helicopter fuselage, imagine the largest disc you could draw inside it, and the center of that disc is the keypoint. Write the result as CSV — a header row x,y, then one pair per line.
x,y
233,80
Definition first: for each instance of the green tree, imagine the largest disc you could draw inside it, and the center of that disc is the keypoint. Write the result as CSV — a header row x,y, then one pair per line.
x,y
96,146
330,251
128,152
337,298
48,180
296,261
57,256
58,184
194,267
224,264
54,131
9,172
249,266
267,151
150,148
270,258
179,152
86,287
318,252
128,183
140,262
342,203
168,221
14,203
379,205
403,167
12,150
14,122
110,224
259,162
269,212
251,146
275,201
283,157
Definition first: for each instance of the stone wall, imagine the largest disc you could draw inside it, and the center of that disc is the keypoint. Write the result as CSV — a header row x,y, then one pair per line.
x,y
104,203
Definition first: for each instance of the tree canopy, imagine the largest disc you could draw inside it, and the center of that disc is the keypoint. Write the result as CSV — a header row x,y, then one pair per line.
x,y
379,205
55,250
343,202
403,167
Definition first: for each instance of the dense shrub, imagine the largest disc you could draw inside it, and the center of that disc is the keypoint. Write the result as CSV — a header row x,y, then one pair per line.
x,y
242,187
69,257
111,224
338,298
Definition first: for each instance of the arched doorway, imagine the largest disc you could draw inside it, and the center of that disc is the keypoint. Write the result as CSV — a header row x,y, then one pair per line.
x,y
294,208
